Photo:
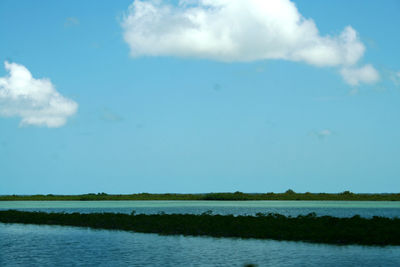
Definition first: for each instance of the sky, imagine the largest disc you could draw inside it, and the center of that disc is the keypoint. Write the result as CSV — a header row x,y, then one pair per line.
x,y
199,96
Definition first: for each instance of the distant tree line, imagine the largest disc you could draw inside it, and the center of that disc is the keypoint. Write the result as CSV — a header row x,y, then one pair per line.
x,y
288,195
309,228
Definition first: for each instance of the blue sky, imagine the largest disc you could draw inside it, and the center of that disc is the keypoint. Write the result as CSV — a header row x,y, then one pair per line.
x,y
126,100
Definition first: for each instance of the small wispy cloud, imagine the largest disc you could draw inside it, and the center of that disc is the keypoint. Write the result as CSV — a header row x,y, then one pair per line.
x,y
110,116
71,21
322,134
260,69
217,87
354,91
395,77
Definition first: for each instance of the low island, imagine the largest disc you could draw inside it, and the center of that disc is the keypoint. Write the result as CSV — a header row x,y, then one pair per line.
x,y
309,228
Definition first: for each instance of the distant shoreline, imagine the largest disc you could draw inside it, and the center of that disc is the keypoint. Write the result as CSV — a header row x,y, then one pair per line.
x,y
236,196
309,228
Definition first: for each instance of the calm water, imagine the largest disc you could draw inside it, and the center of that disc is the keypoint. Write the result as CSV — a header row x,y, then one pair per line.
x,y
32,245
294,208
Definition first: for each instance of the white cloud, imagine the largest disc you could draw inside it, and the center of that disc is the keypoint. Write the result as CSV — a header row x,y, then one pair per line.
x,y
354,76
235,30
34,100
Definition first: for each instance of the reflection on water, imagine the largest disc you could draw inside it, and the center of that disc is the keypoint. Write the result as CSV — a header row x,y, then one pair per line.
x,y
33,245
293,208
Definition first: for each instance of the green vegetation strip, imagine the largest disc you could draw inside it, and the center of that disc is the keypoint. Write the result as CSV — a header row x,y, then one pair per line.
x,y
309,228
288,195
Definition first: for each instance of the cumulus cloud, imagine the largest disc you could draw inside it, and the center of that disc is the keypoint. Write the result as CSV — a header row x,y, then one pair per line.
x,y
34,100
354,76
235,30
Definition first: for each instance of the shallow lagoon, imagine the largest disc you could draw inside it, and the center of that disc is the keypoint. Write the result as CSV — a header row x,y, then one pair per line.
x,y
33,245
293,208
